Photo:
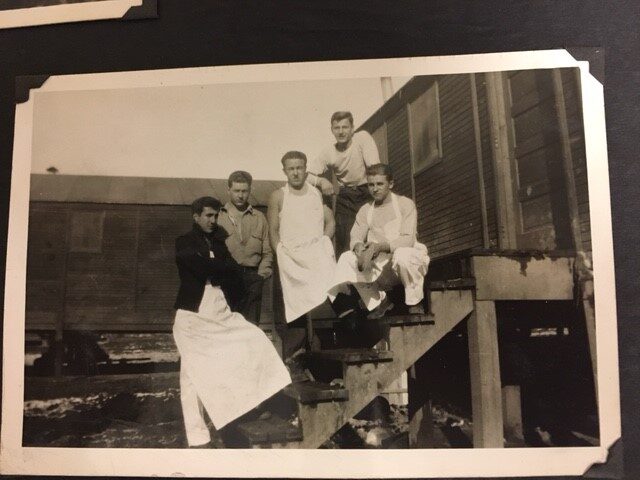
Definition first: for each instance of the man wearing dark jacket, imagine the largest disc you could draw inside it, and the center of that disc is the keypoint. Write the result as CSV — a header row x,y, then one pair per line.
x,y
227,364
202,255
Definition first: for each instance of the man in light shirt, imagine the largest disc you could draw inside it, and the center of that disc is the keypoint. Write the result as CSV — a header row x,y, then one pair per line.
x,y
347,159
384,250
248,242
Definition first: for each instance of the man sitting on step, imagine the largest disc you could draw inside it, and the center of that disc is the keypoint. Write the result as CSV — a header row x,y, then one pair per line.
x,y
384,250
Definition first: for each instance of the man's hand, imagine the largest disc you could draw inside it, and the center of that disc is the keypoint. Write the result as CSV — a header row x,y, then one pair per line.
x,y
379,248
358,248
325,186
367,256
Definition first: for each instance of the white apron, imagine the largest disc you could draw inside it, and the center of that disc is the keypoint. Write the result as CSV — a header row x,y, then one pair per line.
x,y
231,362
306,259
417,257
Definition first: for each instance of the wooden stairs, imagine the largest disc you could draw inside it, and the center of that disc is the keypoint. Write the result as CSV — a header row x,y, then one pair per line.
x,y
323,409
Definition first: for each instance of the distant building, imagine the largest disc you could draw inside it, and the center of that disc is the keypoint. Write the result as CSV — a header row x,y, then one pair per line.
x,y
101,249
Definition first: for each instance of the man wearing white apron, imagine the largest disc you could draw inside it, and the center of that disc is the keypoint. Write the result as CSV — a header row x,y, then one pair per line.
x,y
227,364
300,229
384,251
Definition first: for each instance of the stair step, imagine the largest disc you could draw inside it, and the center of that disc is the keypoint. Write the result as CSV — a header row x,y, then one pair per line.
x,y
393,320
315,392
272,430
452,284
353,355
396,320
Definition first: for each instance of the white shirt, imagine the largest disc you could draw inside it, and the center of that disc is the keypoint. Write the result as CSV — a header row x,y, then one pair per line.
x,y
350,165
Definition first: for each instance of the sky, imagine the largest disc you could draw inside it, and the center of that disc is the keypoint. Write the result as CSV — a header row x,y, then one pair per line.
x,y
201,131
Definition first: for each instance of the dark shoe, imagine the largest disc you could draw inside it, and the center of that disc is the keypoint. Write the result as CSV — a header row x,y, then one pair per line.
x,y
344,304
266,415
381,309
297,369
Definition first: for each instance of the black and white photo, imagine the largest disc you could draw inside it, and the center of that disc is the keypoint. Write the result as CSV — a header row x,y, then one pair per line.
x,y
404,258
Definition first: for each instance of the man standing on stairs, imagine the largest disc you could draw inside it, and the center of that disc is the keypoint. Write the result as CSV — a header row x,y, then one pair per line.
x,y
248,242
300,229
227,364
348,158
384,250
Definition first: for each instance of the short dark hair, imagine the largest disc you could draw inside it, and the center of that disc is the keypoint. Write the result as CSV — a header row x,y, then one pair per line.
x,y
240,176
337,116
199,203
380,169
293,154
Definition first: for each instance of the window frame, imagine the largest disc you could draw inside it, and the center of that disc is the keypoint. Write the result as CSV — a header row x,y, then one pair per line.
x,y
77,247
419,166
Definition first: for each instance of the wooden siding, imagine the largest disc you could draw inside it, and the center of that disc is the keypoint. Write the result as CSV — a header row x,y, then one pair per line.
x,y
447,193
541,193
487,161
399,152
573,107
130,283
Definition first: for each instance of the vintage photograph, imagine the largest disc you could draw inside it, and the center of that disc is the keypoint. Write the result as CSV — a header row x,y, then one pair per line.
x,y
311,258
26,13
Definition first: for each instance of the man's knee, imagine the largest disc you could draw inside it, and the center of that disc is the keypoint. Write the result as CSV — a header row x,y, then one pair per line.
x,y
348,258
403,257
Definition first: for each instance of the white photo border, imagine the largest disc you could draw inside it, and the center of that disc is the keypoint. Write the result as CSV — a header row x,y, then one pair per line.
x,y
283,463
65,13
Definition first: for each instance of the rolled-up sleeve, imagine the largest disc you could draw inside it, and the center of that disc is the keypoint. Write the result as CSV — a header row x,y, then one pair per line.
x,y
318,165
266,263
369,149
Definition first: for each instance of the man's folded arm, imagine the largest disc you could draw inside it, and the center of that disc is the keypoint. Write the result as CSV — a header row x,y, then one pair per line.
x,y
202,267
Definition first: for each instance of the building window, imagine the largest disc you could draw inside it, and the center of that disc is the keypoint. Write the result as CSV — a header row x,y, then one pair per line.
x,y
86,232
426,136
380,137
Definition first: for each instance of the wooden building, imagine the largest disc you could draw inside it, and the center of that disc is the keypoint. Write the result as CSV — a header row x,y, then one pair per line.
x,y
495,163
101,249
484,157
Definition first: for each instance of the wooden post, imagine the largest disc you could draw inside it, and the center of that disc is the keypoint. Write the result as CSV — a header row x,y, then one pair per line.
x,y
512,413
501,160
421,432
590,320
582,265
484,366
479,160
567,161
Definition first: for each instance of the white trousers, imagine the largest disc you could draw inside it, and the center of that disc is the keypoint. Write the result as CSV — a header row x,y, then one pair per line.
x,y
192,411
407,266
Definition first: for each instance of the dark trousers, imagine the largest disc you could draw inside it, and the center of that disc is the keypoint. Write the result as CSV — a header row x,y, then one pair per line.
x,y
294,336
348,202
251,305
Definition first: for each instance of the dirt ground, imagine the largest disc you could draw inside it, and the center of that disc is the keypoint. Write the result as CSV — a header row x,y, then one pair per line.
x,y
154,420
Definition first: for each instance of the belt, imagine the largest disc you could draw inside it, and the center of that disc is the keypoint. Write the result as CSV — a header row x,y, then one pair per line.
x,y
249,269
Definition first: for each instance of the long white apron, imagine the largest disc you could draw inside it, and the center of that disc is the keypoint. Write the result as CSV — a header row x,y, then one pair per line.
x,y
306,259
231,362
384,272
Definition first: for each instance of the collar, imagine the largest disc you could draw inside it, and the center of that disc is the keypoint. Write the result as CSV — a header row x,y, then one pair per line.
x,y
217,234
230,207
